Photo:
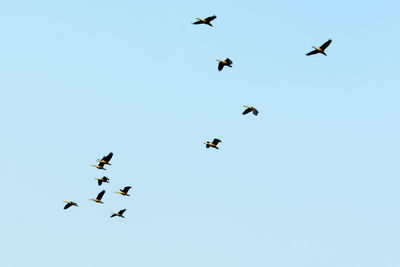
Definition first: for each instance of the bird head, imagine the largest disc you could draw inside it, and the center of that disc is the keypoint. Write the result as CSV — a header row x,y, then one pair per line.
x,y
314,47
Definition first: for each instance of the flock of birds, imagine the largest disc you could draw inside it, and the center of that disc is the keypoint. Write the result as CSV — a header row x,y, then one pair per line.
x,y
214,144
228,62
124,192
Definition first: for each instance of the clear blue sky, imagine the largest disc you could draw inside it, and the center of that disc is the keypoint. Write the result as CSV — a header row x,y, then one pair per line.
x,y
312,181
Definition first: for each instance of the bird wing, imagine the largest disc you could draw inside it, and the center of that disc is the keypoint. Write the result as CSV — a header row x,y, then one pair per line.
x,y
228,61
99,182
126,189
101,194
198,22
67,206
113,215
246,111
121,211
220,66
108,157
210,18
216,141
326,44
101,164
207,146
105,179
312,52
255,112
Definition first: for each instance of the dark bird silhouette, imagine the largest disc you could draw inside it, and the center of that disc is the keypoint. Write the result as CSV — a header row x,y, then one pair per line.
x,y
205,21
124,192
222,63
213,144
321,49
69,204
104,160
102,180
120,213
99,197
250,108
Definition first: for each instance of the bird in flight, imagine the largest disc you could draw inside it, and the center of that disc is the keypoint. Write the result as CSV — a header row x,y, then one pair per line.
x,y
250,108
124,192
222,63
69,204
320,49
120,213
205,21
102,180
104,160
213,144
99,197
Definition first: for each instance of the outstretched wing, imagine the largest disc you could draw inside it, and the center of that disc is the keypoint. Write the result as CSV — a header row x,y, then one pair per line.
x,y
126,189
210,18
101,194
326,44
99,182
216,141
220,66
121,211
198,22
67,206
207,146
228,61
108,157
255,111
113,215
246,111
101,164
312,53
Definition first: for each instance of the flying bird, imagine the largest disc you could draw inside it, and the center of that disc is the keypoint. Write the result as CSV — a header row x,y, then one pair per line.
x,y
120,213
99,197
250,108
102,180
69,204
124,192
213,144
104,160
222,63
320,49
205,21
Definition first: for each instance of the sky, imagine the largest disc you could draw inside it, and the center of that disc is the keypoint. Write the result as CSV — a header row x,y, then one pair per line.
x,y
311,181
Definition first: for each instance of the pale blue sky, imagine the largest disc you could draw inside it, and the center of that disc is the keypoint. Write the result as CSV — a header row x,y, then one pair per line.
x,y
312,181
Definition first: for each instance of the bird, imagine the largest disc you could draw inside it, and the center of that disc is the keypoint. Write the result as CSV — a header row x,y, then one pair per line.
x,y
101,180
104,160
213,144
222,63
205,21
120,213
124,192
250,108
69,204
320,49
99,196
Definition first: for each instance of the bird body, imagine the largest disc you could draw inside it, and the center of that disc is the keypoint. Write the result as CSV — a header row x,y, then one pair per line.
x,y
205,21
222,63
321,49
124,191
213,144
104,160
119,213
99,197
69,204
250,108
102,180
